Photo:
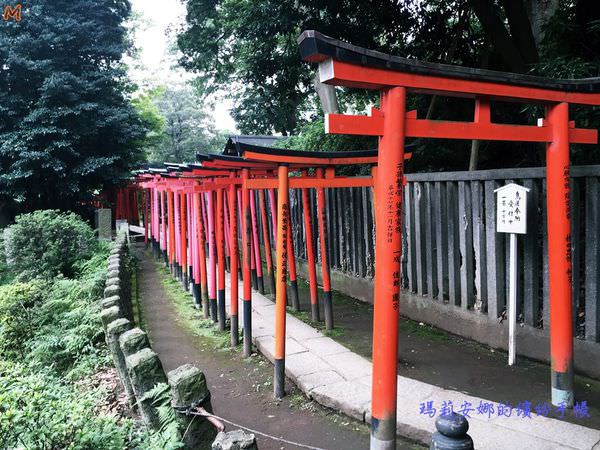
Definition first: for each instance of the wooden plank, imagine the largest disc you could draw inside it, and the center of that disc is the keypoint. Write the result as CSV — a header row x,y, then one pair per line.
x,y
453,244
592,259
340,229
430,250
465,235
334,250
359,226
545,270
494,255
499,174
411,268
419,241
441,239
349,213
532,256
575,205
478,220
367,230
372,221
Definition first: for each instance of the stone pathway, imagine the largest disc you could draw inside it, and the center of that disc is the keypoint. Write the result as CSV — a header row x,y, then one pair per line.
x,y
332,375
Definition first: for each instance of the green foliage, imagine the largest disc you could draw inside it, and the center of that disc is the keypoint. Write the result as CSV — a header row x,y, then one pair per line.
x,y
249,48
67,126
181,127
312,136
17,308
41,412
46,243
167,437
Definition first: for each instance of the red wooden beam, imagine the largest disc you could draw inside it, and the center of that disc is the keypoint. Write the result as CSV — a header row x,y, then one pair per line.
x,y
344,74
438,129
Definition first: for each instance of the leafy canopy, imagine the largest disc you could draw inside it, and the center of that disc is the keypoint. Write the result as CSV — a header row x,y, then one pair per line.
x,y
66,126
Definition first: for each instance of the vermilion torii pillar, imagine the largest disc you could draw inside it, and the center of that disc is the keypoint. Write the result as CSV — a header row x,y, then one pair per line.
x,y
287,160
347,65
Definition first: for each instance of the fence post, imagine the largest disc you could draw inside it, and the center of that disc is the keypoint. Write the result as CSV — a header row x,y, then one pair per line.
x,y
188,390
145,372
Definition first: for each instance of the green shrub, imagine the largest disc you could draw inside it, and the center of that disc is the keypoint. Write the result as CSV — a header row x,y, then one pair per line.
x,y
44,244
17,306
38,411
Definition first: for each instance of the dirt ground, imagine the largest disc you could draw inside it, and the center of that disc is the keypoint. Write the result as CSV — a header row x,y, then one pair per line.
x,y
449,361
241,388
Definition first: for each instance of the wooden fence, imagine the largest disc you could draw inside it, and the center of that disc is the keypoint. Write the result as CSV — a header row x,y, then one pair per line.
x,y
451,251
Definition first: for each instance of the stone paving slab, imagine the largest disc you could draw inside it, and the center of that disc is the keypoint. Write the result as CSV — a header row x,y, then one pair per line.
x,y
337,378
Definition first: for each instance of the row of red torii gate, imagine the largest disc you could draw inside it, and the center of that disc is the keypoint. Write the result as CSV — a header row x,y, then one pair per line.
x,y
190,207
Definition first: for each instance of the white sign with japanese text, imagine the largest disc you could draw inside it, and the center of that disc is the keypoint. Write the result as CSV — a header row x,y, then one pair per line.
x,y
511,209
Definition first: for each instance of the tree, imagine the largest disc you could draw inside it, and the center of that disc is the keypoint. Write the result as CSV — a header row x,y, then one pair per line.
x,y
180,126
248,47
67,128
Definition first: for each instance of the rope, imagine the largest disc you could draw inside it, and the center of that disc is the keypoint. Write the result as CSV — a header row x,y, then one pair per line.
x,y
190,411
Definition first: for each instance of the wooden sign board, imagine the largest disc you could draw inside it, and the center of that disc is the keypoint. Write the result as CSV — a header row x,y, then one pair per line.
x,y
511,209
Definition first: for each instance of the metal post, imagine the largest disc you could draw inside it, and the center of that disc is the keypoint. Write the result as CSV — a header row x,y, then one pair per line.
x,y
512,301
267,241
323,240
233,260
220,242
388,251
247,258
282,233
559,255
310,255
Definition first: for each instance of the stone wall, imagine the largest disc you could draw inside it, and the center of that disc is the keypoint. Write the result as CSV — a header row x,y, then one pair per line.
x,y
140,369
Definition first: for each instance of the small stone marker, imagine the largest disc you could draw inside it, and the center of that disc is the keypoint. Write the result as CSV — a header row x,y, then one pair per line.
x,y
511,217
451,433
103,223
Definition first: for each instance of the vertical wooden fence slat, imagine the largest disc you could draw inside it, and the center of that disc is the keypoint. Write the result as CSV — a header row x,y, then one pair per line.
x,y
410,238
358,240
532,257
430,250
419,241
332,223
478,220
545,279
340,225
592,259
348,206
575,249
465,230
453,244
441,239
494,254
367,224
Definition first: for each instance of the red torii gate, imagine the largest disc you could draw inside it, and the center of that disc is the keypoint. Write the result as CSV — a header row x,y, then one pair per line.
x,y
348,65
324,164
